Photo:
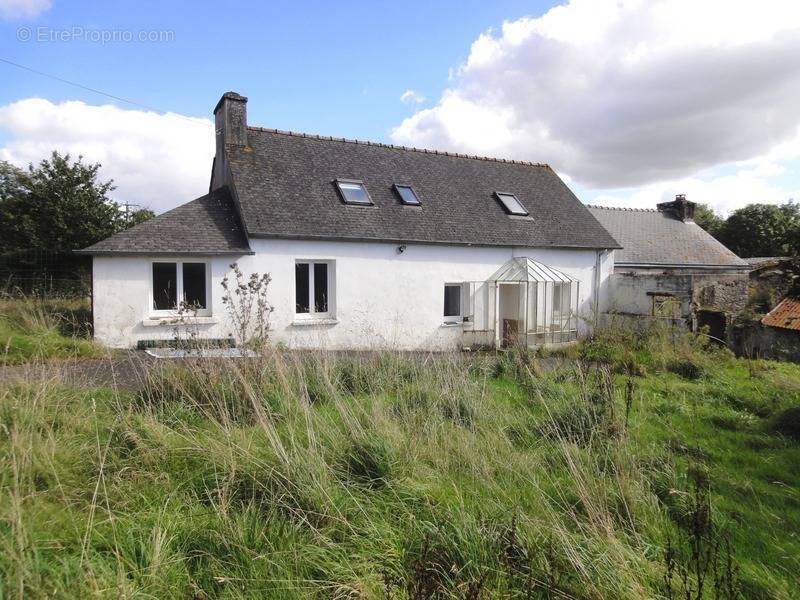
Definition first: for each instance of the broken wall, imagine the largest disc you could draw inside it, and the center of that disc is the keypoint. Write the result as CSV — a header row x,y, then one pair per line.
x,y
632,291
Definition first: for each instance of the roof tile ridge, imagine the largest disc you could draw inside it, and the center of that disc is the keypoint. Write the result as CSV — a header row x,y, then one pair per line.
x,y
331,138
623,208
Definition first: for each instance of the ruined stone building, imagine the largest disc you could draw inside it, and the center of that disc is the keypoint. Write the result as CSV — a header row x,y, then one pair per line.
x,y
671,268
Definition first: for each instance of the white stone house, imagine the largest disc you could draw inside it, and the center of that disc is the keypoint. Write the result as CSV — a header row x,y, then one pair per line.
x,y
368,245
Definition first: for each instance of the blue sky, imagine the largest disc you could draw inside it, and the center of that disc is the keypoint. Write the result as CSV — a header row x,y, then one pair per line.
x,y
630,101
329,67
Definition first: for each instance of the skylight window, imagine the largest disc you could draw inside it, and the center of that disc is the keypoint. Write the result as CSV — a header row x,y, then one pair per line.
x,y
511,204
353,192
407,195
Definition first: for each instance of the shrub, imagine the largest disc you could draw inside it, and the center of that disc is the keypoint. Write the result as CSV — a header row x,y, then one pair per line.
x,y
787,423
686,368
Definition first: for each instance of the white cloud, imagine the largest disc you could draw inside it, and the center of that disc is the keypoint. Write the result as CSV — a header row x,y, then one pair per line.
x,y
21,9
156,160
412,97
725,188
625,93
723,193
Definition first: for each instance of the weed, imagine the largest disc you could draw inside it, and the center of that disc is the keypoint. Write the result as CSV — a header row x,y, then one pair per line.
x,y
246,303
701,562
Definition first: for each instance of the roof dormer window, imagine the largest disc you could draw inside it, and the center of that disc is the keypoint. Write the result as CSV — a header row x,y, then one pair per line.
x,y
353,191
407,195
511,205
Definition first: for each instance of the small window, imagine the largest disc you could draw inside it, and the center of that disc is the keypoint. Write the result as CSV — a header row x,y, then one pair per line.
x,y
301,288
511,205
165,286
407,195
353,192
452,302
320,287
178,284
312,288
194,285
666,306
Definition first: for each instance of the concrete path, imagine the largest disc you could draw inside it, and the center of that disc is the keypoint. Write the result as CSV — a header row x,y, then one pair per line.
x,y
125,371
128,370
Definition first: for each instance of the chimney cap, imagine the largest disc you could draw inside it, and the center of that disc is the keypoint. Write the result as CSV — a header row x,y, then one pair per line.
x,y
229,96
680,208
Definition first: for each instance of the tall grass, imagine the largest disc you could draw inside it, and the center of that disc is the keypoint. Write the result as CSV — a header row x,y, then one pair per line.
x,y
301,475
34,329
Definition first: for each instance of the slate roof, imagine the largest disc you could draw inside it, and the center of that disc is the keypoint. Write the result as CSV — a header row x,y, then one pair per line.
x,y
208,225
786,315
284,184
654,238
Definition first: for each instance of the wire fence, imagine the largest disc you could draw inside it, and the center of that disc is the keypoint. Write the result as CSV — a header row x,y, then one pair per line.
x,y
45,274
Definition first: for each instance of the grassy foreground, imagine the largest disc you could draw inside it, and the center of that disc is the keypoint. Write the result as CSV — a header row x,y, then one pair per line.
x,y
36,329
654,469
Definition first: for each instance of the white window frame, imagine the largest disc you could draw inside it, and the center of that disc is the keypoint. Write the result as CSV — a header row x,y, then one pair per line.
x,y
454,319
509,210
339,182
202,312
313,314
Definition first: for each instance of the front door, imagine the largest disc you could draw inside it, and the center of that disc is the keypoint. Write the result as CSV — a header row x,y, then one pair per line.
x,y
509,314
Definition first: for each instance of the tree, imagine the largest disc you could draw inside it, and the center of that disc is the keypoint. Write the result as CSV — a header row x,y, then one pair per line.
x,y
762,230
139,216
58,205
705,216
791,210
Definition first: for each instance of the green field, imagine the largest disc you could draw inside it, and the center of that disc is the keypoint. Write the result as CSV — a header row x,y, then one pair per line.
x,y
638,467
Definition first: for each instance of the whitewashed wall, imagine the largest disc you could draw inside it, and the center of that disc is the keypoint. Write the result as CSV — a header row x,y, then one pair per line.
x,y
382,298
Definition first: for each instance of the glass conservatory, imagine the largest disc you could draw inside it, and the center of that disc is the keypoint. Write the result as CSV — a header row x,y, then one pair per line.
x,y
525,303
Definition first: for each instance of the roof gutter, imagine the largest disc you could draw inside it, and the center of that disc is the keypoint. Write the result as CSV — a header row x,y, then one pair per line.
x,y
744,267
89,252
333,238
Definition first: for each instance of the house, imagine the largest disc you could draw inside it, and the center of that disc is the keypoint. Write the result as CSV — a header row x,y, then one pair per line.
x,y
779,337
368,245
671,268
770,327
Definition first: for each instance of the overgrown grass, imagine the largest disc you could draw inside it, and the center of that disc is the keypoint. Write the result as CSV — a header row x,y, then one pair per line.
x,y
388,476
35,329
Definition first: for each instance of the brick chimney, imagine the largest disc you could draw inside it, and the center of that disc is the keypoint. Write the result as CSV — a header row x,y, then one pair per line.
x,y
680,208
230,124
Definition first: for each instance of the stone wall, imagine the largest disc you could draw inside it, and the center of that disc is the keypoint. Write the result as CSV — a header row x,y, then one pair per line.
x,y
771,280
754,340
725,292
632,290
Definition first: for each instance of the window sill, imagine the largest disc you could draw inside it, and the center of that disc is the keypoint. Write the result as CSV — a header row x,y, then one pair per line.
x,y
312,322
172,321
456,324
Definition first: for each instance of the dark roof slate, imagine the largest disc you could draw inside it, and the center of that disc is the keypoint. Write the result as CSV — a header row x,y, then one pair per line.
x,y
284,185
652,238
208,225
